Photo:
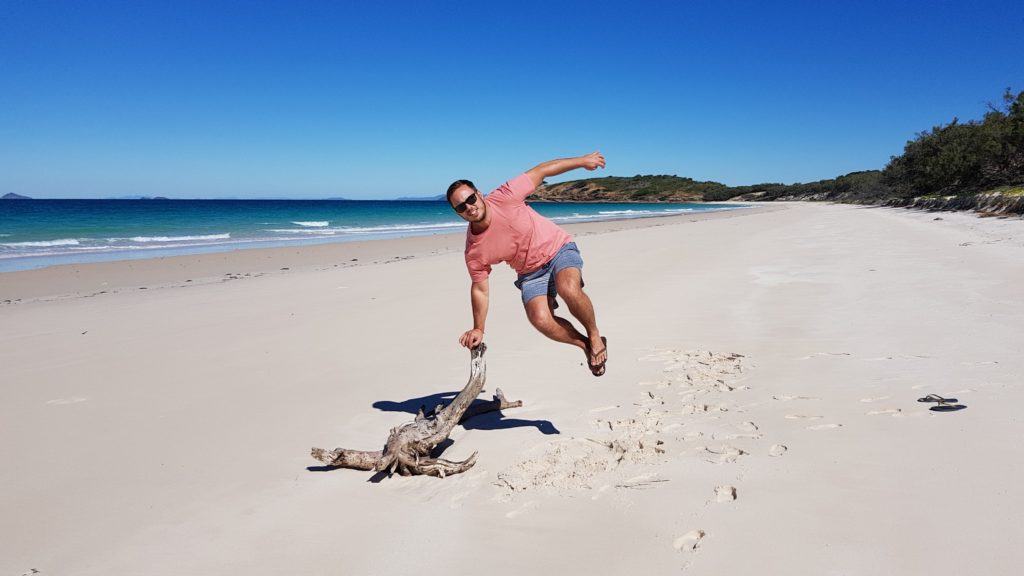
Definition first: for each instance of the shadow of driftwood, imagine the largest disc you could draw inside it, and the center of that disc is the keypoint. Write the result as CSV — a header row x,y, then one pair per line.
x,y
321,468
486,421
948,407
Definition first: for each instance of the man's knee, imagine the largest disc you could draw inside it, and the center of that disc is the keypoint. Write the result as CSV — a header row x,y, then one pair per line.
x,y
539,313
569,282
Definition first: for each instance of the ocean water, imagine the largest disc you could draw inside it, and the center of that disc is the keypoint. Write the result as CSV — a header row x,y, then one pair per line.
x,y
39,233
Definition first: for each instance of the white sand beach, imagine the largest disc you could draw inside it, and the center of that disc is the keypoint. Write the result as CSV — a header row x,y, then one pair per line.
x,y
759,414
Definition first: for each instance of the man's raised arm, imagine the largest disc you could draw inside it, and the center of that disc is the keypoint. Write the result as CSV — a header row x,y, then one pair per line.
x,y
540,172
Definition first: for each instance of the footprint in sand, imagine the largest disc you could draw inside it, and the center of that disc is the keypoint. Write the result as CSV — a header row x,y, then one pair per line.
x,y
650,400
641,482
690,541
789,398
726,454
65,401
816,354
802,417
717,436
725,493
824,426
892,411
749,432
900,357
699,408
777,450
526,507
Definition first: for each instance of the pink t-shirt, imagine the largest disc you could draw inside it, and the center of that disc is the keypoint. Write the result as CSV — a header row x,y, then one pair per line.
x,y
517,234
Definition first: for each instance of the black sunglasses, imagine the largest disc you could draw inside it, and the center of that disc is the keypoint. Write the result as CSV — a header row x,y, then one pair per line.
x,y
471,199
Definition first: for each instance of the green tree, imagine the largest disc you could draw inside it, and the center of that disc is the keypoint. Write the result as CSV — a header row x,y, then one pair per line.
x,y
963,158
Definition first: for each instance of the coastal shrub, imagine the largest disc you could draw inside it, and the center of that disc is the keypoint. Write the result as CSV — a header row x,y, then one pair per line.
x,y
963,158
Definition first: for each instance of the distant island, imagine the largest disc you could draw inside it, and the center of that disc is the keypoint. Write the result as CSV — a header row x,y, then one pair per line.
x,y
13,196
422,198
138,198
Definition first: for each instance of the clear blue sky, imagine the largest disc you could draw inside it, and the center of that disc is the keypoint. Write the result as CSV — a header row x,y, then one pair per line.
x,y
383,99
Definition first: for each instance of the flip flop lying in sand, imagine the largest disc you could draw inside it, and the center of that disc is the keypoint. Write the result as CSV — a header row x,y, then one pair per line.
x,y
598,369
942,404
937,398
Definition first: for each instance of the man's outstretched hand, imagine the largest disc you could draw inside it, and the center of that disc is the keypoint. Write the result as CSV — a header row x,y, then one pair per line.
x,y
472,338
593,161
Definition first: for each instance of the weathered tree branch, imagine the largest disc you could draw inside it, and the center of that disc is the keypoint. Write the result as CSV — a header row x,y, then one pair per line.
x,y
498,404
408,447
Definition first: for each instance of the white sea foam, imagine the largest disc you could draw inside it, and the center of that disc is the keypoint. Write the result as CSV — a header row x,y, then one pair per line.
x,y
401,228
42,243
177,238
347,230
643,212
313,224
312,231
619,214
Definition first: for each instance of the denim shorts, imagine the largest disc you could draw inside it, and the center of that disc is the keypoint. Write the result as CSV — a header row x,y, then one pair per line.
x,y
541,282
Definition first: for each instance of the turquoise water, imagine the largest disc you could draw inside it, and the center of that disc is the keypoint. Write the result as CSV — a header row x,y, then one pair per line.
x,y
38,233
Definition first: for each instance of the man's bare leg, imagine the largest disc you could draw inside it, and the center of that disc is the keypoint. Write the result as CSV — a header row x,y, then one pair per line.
x,y
541,314
569,283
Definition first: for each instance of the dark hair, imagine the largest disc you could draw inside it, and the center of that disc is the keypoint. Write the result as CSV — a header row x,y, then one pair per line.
x,y
459,184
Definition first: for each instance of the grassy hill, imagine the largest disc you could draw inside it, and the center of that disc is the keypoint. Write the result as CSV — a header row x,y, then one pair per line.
x,y
853,187
637,188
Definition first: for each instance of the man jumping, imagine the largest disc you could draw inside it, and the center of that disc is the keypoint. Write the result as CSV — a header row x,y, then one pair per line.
x,y
502,228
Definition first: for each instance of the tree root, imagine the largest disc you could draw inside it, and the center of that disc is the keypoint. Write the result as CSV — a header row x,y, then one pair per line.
x,y
408,447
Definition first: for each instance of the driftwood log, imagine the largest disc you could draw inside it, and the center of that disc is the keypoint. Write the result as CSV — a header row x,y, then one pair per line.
x,y
409,446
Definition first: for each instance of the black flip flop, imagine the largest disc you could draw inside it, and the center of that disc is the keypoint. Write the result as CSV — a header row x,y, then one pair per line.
x,y
598,369
942,404
937,398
